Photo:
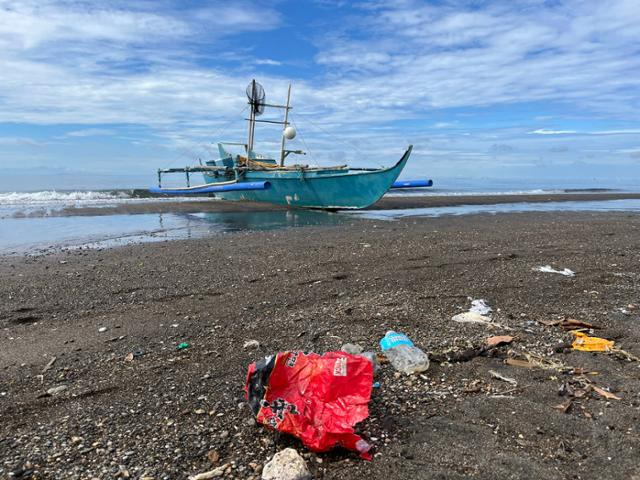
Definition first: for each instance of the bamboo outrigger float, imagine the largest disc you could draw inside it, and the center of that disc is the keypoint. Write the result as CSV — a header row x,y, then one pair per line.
x,y
257,178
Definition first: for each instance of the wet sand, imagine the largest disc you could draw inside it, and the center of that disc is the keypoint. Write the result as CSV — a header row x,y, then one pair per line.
x,y
314,289
393,203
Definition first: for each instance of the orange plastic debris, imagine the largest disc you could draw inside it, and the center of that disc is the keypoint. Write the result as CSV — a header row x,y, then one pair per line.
x,y
591,344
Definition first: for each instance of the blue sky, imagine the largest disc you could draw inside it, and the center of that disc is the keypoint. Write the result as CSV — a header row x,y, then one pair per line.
x,y
514,89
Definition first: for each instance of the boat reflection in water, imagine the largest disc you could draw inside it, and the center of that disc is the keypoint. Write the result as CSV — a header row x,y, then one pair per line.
x,y
39,234
237,221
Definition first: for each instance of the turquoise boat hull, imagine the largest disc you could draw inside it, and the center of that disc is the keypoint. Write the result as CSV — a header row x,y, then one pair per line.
x,y
330,189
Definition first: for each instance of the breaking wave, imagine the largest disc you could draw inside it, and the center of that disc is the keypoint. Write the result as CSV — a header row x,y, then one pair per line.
x,y
55,197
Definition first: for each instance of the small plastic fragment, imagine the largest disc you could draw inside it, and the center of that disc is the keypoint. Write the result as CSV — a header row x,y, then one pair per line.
x,y
548,269
480,306
585,343
471,317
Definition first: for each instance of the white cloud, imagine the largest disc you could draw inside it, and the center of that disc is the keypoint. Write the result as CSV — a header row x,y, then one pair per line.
x,y
616,132
544,131
91,132
267,61
32,23
29,24
20,141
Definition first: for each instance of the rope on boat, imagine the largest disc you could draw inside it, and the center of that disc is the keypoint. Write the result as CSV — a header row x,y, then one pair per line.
x,y
242,161
333,137
213,135
308,150
225,126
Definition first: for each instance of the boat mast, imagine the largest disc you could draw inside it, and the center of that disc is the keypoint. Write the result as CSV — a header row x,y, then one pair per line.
x,y
284,126
252,118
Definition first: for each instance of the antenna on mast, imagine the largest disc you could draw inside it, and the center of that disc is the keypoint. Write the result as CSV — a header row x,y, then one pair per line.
x,y
256,96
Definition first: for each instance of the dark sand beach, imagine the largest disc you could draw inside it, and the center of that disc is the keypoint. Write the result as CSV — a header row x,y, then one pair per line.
x,y
314,288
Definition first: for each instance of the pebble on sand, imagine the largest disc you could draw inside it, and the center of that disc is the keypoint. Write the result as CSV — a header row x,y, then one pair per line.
x,y
56,390
216,472
251,344
352,348
286,465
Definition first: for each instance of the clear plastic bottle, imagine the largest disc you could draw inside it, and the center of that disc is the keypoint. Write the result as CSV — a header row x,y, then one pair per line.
x,y
402,354
355,349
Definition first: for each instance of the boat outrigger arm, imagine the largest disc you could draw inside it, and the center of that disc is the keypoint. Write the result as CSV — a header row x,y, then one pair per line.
x,y
226,186
231,186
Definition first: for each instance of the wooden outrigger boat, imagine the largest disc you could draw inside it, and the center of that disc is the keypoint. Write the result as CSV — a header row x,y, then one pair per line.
x,y
253,177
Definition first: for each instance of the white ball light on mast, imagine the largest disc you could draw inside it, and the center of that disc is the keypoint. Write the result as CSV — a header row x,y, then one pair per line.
x,y
289,133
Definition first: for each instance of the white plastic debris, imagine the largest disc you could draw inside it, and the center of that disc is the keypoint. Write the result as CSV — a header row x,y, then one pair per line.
x,y
547,269
499,376
480,306
286,465
102,329
471,317
478,313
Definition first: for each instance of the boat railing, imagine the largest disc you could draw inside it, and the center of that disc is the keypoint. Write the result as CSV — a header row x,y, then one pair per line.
x,y
239,169
195,169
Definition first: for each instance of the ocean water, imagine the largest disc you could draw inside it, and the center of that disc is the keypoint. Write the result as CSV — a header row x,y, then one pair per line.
x,y
41,234
31,221
47,202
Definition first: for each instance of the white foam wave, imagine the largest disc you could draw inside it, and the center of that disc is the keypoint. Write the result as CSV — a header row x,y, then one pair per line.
x,y
49,197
